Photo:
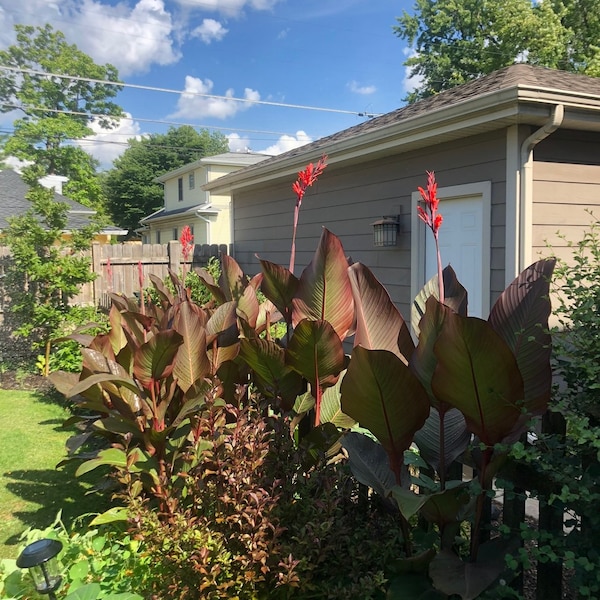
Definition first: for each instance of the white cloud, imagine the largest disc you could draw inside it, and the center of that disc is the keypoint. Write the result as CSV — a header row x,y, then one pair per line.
x,y
194,103
410,82
238,143
108,144
130,38
230,8
288,142
364,90
210,31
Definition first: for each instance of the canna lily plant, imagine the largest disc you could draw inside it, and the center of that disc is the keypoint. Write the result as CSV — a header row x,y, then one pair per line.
x,y
462,389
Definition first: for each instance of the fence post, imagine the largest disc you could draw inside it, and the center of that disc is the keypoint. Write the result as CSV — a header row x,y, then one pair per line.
x,y
174,256
550,574
97,268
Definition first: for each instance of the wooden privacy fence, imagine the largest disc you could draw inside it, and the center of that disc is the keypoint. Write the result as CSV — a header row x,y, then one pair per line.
x,y
118,266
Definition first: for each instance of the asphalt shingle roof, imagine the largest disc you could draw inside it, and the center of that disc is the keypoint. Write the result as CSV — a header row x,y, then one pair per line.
x,y
508,77
13,202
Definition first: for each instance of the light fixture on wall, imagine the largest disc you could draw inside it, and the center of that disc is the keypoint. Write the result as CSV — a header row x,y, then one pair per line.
x,y
385,231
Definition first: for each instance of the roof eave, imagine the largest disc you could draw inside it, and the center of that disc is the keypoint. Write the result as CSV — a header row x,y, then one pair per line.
x,y
486,112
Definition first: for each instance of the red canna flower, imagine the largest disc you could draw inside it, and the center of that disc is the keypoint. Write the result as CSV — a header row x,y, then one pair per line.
x,y
432,218
307,177
429,215
187,242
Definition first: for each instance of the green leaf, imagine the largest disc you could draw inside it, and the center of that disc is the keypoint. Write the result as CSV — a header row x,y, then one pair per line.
x,y
279,285
455,297
331,407
478,374
408,502
315,351
274,378
324,291
112,515
109,456
154,360
90,591
384,396
379,324
520,317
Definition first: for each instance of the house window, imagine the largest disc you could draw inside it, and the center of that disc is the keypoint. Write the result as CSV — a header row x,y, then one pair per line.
x,y
175,233
180,189
191,181
158,237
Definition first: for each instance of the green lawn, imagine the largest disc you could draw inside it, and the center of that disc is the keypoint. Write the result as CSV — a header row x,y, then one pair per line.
x,y
32,490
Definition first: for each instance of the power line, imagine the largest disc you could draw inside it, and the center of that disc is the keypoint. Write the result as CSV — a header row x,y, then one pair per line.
x,y
184,92
26,108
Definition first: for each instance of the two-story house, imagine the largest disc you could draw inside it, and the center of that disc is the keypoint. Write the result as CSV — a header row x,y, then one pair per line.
x,y
186,203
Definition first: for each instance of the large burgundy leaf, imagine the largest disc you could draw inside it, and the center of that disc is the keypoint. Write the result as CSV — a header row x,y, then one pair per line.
x,y
384,396
272,375
379,324
232,281
520,316
155,359
315,351
478,374
279,285
324,292
222,319
247,308
424,361
456,438
455,297
191,362
208,280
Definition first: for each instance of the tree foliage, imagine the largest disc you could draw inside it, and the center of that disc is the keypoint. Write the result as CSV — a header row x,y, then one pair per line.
x,y
129,186
454,41
47,268
56,109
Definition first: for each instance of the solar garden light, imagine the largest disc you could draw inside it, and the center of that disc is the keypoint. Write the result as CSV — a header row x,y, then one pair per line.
x,y
40,558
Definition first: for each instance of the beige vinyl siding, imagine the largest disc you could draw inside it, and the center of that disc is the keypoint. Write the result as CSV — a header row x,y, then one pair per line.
x,y
563,194
347,201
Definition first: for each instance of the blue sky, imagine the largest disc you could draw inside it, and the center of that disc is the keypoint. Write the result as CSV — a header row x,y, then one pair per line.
x,y
334,54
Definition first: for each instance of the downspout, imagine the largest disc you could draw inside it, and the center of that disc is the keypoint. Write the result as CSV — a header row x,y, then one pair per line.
x,y
525,210
207,221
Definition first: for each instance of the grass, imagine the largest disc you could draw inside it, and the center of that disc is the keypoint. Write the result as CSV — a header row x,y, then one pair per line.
x,y
32,489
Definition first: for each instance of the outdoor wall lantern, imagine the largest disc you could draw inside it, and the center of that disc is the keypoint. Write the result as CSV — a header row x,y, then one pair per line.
x,y
385,231
40,558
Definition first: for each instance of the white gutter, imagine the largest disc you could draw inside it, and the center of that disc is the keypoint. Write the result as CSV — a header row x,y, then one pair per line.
x,y
525,199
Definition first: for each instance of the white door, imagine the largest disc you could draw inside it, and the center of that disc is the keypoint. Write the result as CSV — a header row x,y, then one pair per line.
x,y
461,238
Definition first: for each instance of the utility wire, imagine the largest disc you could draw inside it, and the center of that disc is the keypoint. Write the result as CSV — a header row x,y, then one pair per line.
x,y
25,108
184,92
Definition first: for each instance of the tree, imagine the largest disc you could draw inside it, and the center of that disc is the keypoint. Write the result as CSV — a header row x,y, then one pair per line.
x,y
47,269
455,41
57,110
130,190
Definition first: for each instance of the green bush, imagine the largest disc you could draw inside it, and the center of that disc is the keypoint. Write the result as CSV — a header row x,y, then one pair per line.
x,y
102,563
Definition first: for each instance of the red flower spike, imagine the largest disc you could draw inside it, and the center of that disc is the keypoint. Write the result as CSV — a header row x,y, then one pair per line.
x,y
429,214
187,241
308,177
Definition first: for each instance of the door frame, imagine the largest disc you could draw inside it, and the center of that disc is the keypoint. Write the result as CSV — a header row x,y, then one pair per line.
x,y
419,231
